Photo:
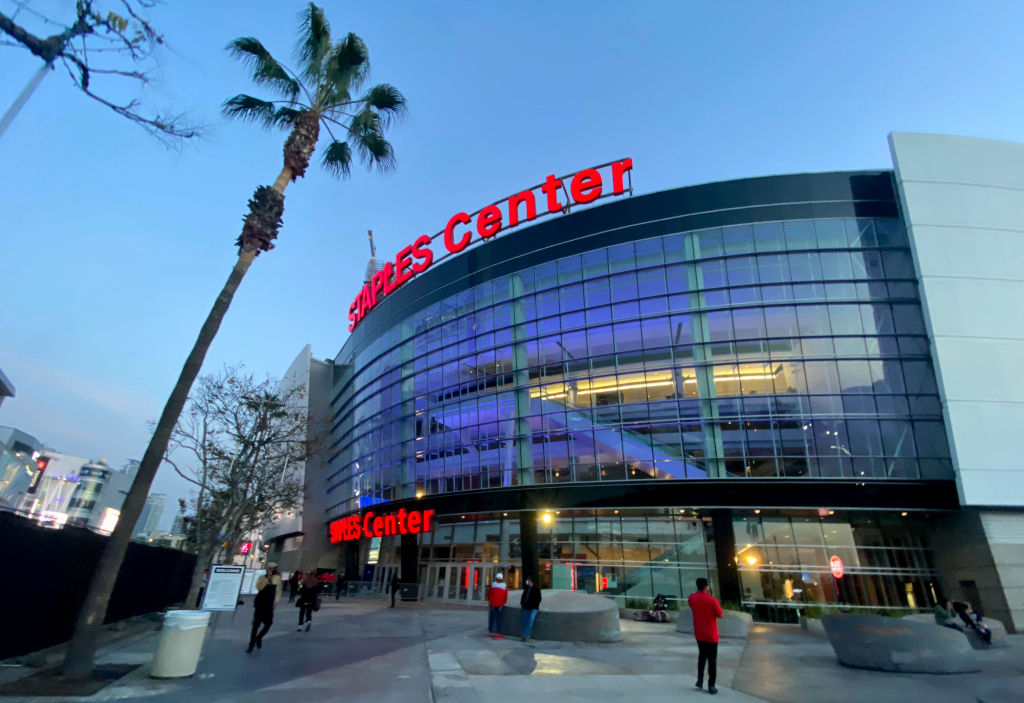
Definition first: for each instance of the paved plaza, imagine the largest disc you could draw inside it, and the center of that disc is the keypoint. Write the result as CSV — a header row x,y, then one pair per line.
x,y
362,650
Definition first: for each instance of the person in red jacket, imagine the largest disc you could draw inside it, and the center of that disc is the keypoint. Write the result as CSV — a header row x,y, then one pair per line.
x,y
497,596
706,611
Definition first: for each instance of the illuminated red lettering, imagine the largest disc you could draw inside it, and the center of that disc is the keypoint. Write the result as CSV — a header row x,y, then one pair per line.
x,y
513,207
421,250
488,222
619,168
402,264
449,234
353,315
371,525
364,301
376,286
550,188
586,186
389,284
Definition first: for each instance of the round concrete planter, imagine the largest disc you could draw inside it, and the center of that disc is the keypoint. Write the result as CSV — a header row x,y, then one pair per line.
x,y
899,645
976,641
733,623
565,616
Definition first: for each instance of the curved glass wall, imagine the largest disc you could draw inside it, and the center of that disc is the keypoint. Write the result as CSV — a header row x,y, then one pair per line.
x,y
776,349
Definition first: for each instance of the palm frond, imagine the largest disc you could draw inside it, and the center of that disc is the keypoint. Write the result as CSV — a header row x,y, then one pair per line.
x,y
286,116
375,150
250,109
348,65
314,42
387,101
364,122
265,68
337,159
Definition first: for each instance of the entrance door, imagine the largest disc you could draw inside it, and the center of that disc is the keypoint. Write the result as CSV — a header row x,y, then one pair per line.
x,y
463,583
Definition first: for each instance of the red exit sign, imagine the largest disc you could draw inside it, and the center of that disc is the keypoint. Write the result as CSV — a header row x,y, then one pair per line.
x,y
554,195
404,522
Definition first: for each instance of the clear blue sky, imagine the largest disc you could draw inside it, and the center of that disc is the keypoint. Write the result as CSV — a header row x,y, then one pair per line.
x,y
112,247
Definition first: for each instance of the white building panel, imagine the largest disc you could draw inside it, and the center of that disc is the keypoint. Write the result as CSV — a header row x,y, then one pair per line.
x,y
963,200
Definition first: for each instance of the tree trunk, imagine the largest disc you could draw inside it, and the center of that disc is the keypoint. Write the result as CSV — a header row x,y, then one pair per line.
x,y
197,582
79,660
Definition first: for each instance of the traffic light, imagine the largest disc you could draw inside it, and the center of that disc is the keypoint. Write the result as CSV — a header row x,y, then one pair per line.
x,y
41,464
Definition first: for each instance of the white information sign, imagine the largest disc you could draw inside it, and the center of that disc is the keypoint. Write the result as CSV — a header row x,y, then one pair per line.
x,y
249,582
223,587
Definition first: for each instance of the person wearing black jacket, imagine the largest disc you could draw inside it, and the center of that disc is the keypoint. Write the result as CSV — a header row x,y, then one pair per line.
x,y
309,594
530,603
263,613
395,584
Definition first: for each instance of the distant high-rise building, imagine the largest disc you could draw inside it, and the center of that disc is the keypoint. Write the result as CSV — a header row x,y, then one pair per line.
x,y
131,467
151,515
178,526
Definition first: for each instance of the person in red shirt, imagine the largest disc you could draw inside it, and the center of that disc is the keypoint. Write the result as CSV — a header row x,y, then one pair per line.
x,y
497,596
706,611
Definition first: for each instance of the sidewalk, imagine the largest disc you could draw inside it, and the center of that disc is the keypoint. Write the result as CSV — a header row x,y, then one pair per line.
x,y
363,651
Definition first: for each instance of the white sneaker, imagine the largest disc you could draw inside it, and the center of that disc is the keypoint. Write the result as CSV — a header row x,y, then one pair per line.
x,y
308,625
299,628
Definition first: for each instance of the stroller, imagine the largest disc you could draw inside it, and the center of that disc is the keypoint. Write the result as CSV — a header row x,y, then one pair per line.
x,y
658,612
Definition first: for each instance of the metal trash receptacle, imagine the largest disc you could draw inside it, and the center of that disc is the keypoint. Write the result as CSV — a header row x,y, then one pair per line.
x,y
181,642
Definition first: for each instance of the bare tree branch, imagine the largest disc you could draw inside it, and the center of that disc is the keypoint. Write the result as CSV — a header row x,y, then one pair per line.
x,y
125,36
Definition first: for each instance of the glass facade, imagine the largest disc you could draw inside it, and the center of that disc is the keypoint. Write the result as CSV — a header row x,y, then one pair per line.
x,y
629,555
790,349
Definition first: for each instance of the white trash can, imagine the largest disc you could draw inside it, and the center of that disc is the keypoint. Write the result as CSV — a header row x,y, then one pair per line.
x,y
181,642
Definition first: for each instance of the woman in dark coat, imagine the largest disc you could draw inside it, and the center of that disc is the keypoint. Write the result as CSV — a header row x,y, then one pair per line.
x,y
308,593
263,613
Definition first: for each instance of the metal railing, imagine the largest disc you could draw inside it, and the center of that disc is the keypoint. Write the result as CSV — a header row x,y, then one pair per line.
x,y
375,589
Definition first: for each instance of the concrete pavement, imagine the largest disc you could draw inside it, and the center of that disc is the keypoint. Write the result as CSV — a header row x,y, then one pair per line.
x,y
361,650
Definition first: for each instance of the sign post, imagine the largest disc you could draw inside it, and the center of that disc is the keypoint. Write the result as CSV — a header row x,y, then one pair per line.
x,y
222,590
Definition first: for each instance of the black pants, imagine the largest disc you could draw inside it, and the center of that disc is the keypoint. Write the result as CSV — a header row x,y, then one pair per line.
x,y
265,619
708,653
305,613
394,592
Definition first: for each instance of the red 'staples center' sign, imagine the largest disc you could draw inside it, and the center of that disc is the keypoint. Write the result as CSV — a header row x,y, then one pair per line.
x,y
584,187
404,522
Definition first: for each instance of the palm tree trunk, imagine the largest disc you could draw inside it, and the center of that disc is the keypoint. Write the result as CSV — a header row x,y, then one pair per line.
x,y
79,660
283,179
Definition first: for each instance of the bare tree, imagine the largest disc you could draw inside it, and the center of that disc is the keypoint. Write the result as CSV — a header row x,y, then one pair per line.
x,y
241,444
103,43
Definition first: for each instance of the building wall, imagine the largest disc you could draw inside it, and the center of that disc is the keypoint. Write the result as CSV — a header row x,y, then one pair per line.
x,y
780,339
963,200
298,542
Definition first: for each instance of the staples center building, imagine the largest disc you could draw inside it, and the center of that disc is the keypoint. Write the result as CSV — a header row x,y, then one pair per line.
x,y
804,387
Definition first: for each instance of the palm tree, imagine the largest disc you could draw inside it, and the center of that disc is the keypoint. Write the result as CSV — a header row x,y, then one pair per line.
x,y
326,94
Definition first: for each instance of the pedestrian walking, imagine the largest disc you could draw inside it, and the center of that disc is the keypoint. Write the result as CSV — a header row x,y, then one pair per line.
x,y
309,600
394,587
497,597
293,585
275,578
530,603
263,610
339,583
706,611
